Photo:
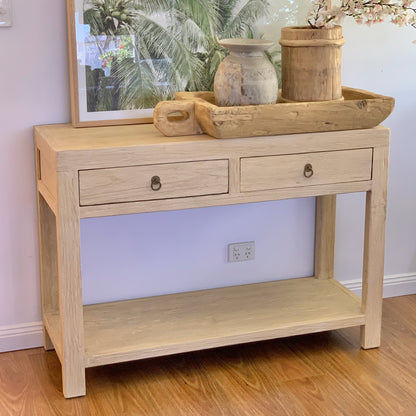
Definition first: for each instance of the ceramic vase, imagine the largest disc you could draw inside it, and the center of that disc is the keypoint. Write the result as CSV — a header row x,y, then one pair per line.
x,y
245,76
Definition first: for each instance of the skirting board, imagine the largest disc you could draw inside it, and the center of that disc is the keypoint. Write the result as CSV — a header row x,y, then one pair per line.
x,y
23,336
20,337
394,285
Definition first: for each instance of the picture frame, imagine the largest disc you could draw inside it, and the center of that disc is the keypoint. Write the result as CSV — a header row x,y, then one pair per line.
x,y
80,52
6,13
127,55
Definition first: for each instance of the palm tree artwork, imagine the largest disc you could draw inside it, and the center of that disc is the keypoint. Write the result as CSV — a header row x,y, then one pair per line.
x,y
143,51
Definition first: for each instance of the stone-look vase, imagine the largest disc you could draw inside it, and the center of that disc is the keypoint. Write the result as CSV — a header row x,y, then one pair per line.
x,y
245,76
311,63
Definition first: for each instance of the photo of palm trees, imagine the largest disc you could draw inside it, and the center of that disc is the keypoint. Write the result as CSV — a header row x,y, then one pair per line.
x,y
139,52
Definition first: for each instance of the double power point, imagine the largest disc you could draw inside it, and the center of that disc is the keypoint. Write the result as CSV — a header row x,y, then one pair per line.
x,y
241,251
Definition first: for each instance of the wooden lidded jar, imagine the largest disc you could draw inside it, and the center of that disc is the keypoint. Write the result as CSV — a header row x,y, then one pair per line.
x,y
311,63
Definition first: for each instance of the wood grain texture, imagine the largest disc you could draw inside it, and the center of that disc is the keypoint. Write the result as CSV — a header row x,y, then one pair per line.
x,y
177,180
143,328
47,174
311,63
70,286
234,175
270,172
48,264
96,147
176,118
47,196
374,246
149,327
118,159
73,63
52,327
224,199
47,241
358,109
325,216
321,374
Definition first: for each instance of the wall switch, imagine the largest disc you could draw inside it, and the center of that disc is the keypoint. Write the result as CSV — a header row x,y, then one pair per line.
x,y
241,251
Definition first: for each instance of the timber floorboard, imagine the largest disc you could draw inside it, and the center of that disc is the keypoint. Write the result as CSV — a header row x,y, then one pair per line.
x,y
319,374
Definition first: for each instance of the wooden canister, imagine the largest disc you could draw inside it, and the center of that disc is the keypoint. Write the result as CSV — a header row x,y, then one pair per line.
x,y
311,63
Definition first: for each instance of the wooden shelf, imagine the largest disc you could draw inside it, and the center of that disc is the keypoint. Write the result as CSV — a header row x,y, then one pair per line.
x,y
154,326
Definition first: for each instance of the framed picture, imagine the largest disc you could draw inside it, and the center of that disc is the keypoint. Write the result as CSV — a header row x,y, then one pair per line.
x,y
5,13
127,55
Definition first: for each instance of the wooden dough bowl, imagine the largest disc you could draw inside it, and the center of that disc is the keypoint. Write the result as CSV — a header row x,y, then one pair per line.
x,y
195,113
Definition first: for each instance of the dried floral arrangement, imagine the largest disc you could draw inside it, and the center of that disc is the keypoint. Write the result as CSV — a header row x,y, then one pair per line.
x,y
399,12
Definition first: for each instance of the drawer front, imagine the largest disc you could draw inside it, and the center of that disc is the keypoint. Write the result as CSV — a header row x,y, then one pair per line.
x,y
134,183
287,171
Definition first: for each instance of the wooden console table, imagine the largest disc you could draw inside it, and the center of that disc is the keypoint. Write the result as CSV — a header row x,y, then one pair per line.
x,y
93,172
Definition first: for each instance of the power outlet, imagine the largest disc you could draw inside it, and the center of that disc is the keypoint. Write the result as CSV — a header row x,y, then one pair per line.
x,y
241,251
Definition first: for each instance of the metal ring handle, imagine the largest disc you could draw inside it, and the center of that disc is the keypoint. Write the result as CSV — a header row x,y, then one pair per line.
x,y
155,183
308,171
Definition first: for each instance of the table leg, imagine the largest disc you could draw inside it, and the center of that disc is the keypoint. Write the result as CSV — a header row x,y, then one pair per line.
x,y
48,264
325,236
374,241
70,286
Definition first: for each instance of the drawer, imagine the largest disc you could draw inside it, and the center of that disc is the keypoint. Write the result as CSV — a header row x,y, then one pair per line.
x,y
134,183
287,171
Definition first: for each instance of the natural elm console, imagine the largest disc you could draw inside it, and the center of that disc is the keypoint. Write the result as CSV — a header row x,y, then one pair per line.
x,y
93,172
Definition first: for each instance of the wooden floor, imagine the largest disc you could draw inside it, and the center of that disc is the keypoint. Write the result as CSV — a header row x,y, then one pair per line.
x,y
320,374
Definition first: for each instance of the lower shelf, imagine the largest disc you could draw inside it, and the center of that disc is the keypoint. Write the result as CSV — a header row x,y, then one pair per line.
x,y
162,325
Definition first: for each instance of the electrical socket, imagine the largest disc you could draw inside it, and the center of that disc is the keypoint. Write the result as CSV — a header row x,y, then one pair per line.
x,y
241,251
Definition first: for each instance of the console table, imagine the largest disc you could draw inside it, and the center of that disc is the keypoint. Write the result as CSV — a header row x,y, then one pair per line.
x,y
101,171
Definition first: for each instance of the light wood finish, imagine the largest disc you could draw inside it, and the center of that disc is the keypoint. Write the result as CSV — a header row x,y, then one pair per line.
x,y
311,63
176,118
70,286
48,263
234,179
73,78
374,242
270,172
320,374
72,57
224,199
357,110
97,147
325,236
53,330
47,196
88,163
205,319
127,184
47,244
46,173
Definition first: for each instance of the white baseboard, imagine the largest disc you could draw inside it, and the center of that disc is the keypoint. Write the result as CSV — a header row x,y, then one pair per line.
x,y
394,285
22,336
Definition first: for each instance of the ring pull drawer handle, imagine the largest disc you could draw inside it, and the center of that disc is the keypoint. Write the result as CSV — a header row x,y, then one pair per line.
x,y
308,171
155,183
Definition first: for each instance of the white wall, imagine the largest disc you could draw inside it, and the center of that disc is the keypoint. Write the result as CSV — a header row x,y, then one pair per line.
x,y
147,254
33,90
